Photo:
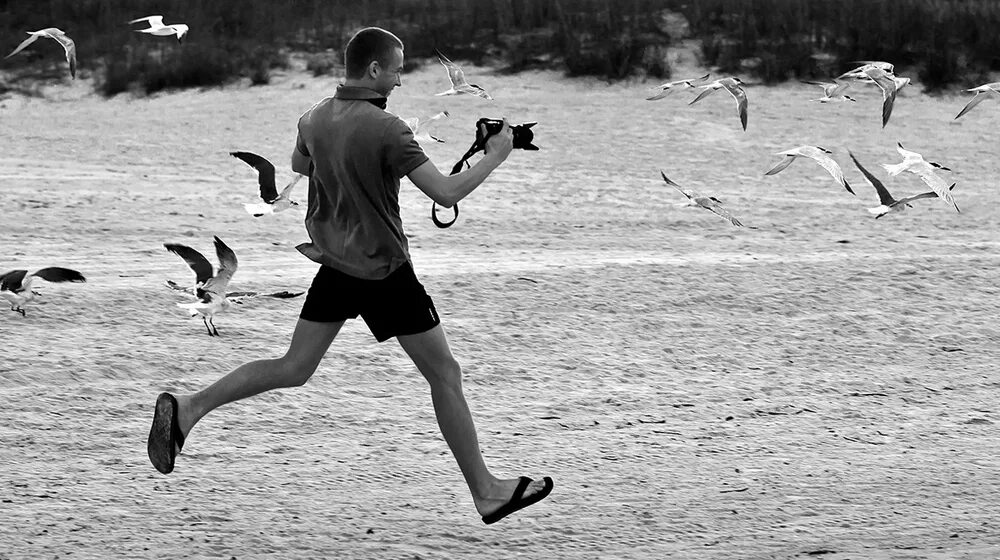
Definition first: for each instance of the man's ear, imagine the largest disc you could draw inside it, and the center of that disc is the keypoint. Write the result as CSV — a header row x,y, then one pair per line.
x,y
373,69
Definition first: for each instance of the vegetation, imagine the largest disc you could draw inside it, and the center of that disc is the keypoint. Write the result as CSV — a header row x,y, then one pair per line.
x,y
943,41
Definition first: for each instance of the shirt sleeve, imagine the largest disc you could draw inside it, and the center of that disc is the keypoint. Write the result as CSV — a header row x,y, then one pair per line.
x,y
401,151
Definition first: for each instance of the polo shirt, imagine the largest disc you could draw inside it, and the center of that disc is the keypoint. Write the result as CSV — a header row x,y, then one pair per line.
x,y
358,153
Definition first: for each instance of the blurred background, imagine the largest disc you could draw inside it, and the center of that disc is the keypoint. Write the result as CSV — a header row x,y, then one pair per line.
x,y
942,43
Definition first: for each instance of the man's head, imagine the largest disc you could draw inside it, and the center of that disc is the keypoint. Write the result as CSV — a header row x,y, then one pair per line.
x,y
374,59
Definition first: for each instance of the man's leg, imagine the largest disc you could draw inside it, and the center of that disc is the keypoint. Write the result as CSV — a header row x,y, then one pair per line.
x,y
432,356
310,341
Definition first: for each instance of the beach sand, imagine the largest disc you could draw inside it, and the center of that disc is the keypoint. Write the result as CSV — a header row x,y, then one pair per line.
x,y
821,386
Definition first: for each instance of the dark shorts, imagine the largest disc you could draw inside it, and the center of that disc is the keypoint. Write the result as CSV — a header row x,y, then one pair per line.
x,y
393,306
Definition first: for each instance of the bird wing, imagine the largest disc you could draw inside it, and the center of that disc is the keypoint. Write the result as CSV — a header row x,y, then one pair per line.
x,y
937,184
686,192
67,44
781,165
886,82
175,286
718,209
12,281
833,168
265,174
455,73
59,274
198,263
973,102
708,90
24,44
741,100
883,194
227,267
287,191
154,21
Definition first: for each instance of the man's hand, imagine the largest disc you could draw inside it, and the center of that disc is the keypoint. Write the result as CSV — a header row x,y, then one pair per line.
x,y
500,144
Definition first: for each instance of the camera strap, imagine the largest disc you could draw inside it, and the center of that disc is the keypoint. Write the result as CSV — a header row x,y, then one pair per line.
x,y
479,144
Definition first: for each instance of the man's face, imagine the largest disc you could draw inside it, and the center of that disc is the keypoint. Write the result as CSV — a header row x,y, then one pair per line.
x,y
389,76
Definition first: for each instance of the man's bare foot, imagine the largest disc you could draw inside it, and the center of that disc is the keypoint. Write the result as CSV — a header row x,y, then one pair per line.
x,y
511,495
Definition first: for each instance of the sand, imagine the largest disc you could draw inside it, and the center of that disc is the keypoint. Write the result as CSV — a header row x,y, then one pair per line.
x,y
821,386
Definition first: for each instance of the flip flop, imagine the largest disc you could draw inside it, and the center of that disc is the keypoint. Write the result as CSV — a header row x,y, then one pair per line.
x,y
518,501
165,437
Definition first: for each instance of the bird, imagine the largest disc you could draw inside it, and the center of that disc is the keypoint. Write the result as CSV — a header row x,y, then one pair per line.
x,y
668,88
860,73
889,84
697,200
273,200
832,91
209,288
887,203
820,155
156,27
56,35
416,124
15,286
916,164
982,92
734,87
458,83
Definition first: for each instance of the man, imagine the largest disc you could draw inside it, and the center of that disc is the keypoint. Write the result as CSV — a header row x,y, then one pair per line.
x,y
355,153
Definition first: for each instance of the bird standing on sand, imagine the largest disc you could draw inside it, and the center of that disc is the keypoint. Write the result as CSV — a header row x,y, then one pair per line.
x,y
156,27
666,89
209,288
982,92
916,164
15,286
56,35
887,203
273,200
734,87
459,84
696,200
819,155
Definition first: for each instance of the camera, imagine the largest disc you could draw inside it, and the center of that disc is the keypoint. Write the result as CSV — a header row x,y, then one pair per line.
x,y
522,132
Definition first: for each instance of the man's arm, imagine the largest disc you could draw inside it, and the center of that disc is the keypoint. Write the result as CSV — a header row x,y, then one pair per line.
x,y
447,190
300,161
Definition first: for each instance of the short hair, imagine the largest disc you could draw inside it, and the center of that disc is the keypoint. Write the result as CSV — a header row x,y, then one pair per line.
x,y
371,43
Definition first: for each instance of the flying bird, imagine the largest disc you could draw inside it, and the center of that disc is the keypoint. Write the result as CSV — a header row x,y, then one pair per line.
x,y
832,91
709,203
860,73
916,164
887,203
56,35
458,83
889,84
156,27
734,87
982,92
668,88
417,125
273,200
15,286
819,155
209,288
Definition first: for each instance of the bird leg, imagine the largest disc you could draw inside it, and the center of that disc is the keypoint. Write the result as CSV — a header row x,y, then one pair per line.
x,y
20,310
214,330
205,320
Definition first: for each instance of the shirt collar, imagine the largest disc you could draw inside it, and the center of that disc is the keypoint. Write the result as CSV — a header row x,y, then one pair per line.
x,y
352,93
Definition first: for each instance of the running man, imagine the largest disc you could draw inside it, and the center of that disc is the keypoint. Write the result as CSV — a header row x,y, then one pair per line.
x,y
355,153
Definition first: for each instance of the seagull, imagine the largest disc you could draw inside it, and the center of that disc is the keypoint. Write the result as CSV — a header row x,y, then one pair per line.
x,y
916,164
458,83
733,86
820,155
832,91
982,92
156,27
56,35
709,203
210,289
273,200
887,203
889,85
416,124
15,286
860,74
668,88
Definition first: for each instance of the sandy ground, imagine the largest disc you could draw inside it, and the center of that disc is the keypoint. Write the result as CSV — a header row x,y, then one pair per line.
x,y
821,386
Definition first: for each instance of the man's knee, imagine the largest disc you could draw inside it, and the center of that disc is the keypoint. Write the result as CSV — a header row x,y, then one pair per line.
x,y
295,372
446,372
